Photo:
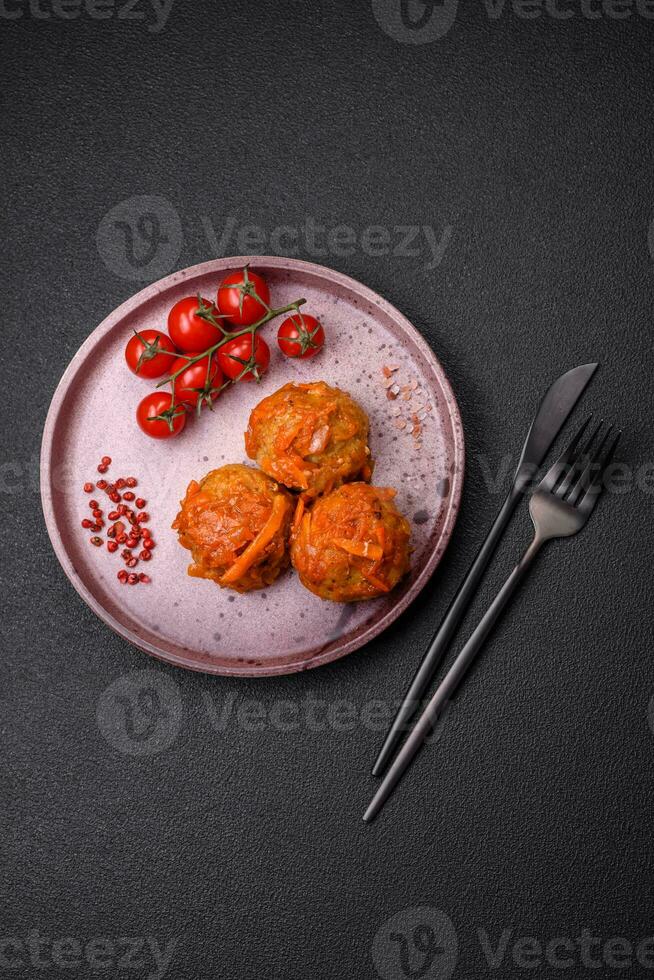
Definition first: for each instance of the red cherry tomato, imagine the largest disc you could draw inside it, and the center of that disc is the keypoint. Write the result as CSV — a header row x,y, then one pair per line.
x,y
158,403
301,335
238,352
243,298
190,325
150,353
194,383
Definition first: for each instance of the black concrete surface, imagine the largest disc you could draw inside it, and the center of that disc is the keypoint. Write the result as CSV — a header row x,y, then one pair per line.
x,y
232,845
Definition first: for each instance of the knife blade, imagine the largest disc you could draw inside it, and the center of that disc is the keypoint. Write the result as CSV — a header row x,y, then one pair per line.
x,y
554,409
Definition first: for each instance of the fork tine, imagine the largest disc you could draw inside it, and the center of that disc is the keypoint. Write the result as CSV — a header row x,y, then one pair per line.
x,y
588,463
557,469
578,463
589,498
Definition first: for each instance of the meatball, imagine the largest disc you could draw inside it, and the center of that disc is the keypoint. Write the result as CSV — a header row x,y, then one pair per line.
x,y
236,524
352,544
310,437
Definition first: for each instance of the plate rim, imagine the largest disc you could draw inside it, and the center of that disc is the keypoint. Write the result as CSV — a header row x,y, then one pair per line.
x,y
149,292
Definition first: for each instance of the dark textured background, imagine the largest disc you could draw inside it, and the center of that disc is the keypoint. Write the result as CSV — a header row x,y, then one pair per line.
x,y
534,141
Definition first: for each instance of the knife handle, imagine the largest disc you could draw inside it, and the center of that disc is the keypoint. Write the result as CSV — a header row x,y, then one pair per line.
x,y
446,630
451,681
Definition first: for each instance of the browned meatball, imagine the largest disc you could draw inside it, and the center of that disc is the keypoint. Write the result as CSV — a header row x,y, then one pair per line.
x,y
236,524
352,544
310,437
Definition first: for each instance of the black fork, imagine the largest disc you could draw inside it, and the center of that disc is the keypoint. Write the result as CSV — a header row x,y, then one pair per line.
x,y
559,507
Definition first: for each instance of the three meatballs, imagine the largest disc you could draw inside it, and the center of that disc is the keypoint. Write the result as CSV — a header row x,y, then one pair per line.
x,y
345,538
353,544
236,524
310,437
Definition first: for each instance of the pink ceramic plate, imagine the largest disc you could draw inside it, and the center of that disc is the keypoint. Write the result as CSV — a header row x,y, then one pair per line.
x,y
192,622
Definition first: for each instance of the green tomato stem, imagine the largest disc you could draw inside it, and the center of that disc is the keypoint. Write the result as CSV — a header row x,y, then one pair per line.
x,y
210,351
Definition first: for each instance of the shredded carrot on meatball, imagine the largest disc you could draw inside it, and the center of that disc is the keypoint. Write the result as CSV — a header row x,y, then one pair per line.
x,y
310,437
236,524
352,544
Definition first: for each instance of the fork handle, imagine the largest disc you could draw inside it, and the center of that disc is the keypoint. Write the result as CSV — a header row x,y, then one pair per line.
x,y
452,679
478,636
441,638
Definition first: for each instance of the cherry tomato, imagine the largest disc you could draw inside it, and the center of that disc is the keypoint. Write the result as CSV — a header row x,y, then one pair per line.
x,y
301,336
194,377
190,325
158,403
243,298
236,353
149,353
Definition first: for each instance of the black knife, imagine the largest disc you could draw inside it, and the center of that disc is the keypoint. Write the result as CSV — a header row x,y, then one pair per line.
x,y
554,409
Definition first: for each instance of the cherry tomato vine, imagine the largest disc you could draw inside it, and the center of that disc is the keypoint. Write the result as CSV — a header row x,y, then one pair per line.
x,y
238,353
208,393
